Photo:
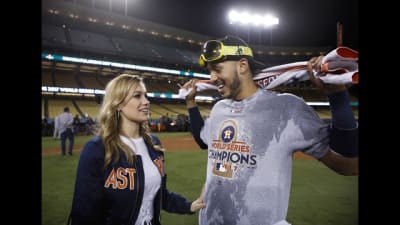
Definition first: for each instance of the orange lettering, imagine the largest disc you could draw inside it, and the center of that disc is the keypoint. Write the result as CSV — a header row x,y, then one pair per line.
x,y
121,178
111,180
122,184
131,175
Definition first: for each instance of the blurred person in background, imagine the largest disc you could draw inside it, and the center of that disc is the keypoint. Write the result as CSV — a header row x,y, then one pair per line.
x,y
76,124
65,130
120,176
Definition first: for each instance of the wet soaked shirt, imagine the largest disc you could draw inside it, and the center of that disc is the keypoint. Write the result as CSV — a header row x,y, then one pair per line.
x,y
250,149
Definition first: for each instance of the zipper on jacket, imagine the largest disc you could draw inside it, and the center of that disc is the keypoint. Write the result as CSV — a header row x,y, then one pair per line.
x,y
138,202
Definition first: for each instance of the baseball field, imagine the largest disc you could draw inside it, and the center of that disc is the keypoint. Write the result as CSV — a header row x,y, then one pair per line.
x,y
318,197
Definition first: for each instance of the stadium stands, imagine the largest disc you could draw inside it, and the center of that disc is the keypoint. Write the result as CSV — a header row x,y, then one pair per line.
x,y
144,44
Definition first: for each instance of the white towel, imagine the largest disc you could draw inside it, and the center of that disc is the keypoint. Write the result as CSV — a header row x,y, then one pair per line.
x,y
201,85
339,66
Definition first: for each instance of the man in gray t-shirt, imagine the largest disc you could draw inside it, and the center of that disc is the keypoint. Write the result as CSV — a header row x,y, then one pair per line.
x,y
65,130
251,136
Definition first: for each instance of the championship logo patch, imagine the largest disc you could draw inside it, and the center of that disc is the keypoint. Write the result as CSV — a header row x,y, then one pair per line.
x,y
229,154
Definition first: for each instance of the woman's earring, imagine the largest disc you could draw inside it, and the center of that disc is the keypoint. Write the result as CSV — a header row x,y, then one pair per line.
x,y
118,115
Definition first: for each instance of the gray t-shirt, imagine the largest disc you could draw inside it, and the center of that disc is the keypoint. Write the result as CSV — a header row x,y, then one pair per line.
x,y
250,148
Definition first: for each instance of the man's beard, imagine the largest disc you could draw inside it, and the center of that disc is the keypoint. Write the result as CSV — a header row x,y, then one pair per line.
x,y
234,88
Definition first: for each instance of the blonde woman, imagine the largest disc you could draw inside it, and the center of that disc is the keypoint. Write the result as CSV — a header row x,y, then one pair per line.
x,y
121,177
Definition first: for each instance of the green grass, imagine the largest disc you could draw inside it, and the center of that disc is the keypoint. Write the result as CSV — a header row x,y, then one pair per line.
x,y
50,142
319,196
58,174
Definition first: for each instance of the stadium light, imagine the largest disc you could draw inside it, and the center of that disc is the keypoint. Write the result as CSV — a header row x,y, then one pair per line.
x,y
248,19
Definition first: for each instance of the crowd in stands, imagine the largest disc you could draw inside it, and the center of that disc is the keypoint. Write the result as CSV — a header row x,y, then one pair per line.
x,y
180,122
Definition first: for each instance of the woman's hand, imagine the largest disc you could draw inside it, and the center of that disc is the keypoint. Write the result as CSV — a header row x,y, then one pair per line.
x,y
197,205
199,202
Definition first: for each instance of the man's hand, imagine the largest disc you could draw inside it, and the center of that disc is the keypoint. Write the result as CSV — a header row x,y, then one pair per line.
x,y
190,98
315,64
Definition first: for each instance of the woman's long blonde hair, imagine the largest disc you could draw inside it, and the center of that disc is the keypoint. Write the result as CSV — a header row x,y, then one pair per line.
x,y
116,92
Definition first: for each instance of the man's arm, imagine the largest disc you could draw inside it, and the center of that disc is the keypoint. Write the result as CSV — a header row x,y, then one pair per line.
x,y
343,135
196,123
196,120
340,164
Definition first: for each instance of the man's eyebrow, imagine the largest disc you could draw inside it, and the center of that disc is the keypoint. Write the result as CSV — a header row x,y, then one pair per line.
x,y
215,66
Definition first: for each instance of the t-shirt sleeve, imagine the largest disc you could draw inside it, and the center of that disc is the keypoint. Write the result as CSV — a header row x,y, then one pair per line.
x,y
314,140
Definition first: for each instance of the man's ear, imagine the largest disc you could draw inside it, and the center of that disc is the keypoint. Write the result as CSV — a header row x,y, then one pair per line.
x,y
243,65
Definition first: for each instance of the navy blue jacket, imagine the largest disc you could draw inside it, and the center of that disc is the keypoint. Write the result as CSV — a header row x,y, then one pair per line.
x,y
113,195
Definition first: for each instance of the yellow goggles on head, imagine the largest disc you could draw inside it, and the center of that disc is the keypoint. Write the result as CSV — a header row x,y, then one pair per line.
x,y
215,50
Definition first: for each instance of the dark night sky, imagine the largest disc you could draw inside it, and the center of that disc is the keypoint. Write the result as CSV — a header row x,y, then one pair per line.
x,y
301,22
